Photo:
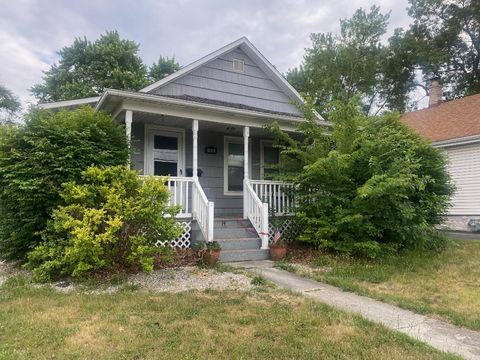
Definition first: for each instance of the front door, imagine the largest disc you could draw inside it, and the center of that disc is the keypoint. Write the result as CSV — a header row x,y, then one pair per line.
x,y
165,154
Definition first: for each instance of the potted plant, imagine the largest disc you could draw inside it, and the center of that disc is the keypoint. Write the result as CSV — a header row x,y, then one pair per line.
x,y
278,247
209,252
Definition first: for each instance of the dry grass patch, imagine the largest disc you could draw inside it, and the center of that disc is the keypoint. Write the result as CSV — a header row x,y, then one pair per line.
x,y
445,285
41,323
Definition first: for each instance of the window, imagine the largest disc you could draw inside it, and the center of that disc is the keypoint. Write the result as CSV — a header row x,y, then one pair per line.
x,y
234,165
238,65
164,151
269,160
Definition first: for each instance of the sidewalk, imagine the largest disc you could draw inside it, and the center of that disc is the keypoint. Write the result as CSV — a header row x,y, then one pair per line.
x,y
436,333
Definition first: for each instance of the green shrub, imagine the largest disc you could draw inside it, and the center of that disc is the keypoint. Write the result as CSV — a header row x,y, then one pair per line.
x,y
374,188
110,222
37,157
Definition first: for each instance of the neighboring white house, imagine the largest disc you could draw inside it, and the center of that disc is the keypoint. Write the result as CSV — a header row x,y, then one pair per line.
x,y
455,127
205,127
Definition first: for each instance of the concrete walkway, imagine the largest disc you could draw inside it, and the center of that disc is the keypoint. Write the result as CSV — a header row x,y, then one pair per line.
x,y
440,335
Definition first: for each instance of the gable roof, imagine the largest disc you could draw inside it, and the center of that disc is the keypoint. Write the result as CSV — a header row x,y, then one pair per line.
x,y
252,52
454,119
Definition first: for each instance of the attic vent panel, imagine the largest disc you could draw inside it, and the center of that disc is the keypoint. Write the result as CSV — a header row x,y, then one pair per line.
x,y
239,65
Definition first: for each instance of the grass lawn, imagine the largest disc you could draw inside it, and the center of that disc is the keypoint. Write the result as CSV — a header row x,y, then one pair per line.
x,y
445,285
42,323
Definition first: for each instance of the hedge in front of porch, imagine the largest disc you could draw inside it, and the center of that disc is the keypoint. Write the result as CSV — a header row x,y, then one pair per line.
x,y
37,157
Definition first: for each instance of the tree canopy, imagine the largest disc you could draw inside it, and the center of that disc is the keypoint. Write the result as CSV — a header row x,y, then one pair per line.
x,y
353,62
162,68
87,68
443,41
9,105
445,35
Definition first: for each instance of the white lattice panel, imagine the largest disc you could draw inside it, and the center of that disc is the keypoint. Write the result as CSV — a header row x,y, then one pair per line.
x,y
183,241
289,230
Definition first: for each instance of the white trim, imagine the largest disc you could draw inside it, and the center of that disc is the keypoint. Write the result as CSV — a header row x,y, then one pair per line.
x,y
147,154
251,51
238,61
458,141
67,103
235,140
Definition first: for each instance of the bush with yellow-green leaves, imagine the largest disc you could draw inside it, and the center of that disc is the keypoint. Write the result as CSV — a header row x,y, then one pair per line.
x,y
110,221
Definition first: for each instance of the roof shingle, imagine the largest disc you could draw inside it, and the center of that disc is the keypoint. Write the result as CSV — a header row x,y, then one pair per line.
x,y
450,120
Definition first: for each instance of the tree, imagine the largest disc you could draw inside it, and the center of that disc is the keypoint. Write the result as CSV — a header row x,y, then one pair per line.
x,y
445,35
354,62
162,68
9,105
36,158
88,68
373,186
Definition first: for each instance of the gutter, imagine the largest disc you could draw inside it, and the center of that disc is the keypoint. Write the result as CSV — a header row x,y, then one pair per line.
x,y
457,141
67,103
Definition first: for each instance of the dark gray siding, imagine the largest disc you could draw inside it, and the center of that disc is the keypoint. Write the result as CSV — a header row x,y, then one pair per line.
x,y
217,80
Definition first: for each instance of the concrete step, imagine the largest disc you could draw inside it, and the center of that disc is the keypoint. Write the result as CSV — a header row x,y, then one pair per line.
x,y
231,223
240,244
244,255
235,233
226,233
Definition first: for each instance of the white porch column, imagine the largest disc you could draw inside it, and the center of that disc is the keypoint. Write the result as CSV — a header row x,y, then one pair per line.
x,y
195,148
246,134
128,130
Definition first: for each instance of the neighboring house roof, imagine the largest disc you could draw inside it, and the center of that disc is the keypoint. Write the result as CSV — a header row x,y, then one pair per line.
x,y
447,122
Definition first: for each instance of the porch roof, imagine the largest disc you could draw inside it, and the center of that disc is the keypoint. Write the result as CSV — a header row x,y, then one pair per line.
x,y
116,101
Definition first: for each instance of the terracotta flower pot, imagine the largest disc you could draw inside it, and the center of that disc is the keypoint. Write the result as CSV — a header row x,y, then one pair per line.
x,y
278,252
211,257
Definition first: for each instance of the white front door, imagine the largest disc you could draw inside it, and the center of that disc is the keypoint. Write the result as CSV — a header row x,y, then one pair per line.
x,y
164,150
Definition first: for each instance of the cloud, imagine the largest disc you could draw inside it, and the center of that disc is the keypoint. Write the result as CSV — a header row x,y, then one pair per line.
x,y
31,32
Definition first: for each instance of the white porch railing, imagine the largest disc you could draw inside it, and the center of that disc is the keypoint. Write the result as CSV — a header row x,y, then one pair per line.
x,y
256,212
203,210
187,193
277,194
180,189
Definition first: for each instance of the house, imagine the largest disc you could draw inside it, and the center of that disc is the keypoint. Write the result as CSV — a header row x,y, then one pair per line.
x,y
204,127
454,126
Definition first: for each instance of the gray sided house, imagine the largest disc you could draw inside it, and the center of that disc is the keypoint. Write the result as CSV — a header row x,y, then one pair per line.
x,y
204,126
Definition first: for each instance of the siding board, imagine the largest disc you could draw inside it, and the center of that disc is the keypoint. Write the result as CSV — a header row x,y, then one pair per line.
x,y
464,168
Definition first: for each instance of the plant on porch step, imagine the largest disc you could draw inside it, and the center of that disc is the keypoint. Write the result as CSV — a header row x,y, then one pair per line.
x,y
110,222
208,252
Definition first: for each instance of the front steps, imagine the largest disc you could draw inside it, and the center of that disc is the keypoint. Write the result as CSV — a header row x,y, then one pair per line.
x,y
238,239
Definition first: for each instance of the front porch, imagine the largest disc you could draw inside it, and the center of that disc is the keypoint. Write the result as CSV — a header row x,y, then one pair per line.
x,y
218,174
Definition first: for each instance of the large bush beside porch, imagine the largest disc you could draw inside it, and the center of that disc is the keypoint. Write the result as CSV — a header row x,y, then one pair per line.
x,y
36,158
367,186
111,220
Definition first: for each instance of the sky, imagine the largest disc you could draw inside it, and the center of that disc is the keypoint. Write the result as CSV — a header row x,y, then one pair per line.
x,y
32,31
